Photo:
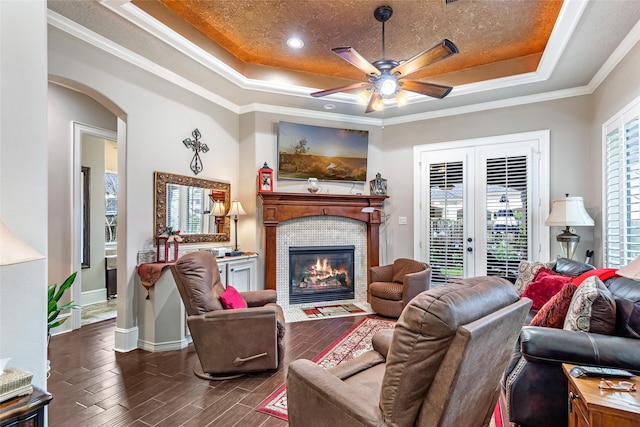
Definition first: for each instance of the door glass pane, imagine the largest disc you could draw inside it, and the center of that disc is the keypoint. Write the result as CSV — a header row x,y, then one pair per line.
x,y
446,225
506,224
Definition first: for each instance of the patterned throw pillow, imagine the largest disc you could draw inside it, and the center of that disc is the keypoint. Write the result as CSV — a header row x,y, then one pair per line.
x,y
545,285
553,313
526,273
592,308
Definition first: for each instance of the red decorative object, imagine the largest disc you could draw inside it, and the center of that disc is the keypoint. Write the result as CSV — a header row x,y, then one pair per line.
x,y
163,247
265,179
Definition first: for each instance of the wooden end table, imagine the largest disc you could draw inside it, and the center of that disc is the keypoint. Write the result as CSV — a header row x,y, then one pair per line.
x,y
25,411
591,407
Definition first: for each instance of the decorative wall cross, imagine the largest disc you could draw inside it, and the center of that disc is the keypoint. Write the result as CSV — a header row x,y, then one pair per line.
x,y
197,147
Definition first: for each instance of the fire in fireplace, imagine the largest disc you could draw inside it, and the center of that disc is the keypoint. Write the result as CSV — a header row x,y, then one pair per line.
x,y
320,273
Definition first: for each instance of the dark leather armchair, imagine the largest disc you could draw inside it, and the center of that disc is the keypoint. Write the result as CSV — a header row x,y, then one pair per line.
x,y
229,343
393,286
440,366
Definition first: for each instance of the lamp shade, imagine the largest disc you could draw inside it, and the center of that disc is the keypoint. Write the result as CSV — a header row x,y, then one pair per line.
x,y
631,270
218,208
13,250
236,209
568,212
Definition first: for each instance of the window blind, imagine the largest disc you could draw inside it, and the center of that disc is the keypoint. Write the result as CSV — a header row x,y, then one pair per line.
x,y
622,188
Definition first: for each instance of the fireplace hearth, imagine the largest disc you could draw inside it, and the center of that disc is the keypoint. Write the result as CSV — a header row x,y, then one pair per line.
x,y
320,273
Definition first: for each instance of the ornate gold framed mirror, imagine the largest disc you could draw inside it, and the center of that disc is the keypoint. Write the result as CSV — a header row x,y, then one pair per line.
x,y
195,206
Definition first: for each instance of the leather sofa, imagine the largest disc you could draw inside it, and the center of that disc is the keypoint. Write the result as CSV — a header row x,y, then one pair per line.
x,y
535,388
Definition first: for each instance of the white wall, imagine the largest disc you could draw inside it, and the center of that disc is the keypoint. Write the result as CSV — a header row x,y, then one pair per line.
x,y
158,117
23,181
568,120
620,88
66,106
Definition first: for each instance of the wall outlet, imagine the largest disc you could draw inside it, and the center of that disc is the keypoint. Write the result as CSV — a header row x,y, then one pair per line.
x,y
402,220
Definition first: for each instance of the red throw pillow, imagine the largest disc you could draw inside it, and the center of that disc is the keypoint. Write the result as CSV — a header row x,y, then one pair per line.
x,y
230,298
544,286
553,313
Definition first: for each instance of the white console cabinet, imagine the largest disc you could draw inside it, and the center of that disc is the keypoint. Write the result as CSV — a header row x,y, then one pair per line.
x,y
240,273
162,318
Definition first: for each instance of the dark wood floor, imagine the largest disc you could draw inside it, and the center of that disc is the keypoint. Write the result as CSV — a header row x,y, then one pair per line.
x,y
92,385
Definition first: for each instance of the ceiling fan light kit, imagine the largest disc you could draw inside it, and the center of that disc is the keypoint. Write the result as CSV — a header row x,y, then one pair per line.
x,y
386,77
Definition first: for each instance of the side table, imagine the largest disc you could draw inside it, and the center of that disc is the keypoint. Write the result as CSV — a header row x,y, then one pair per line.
x,y
591,407
25,411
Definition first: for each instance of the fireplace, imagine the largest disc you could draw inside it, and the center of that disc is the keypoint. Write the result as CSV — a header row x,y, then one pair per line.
x,y
321,273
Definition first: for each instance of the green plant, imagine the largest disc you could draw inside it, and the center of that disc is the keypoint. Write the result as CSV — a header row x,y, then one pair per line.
x,y
54,297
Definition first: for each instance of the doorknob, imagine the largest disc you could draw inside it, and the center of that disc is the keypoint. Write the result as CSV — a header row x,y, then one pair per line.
x,y
469,239
469,249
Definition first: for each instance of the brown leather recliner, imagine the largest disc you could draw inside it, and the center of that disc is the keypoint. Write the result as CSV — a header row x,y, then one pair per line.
x,y
440,366
393,286
229,343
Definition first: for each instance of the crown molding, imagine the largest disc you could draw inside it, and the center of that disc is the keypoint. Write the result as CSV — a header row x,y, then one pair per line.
x,y
570,15
568,18
492,105
76,30
310,114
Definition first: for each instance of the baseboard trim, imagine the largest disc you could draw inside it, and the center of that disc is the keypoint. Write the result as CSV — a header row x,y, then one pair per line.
x,y
126,339
93,297
164,346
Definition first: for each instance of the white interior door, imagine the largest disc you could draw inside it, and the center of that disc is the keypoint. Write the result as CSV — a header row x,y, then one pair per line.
x,y
482,206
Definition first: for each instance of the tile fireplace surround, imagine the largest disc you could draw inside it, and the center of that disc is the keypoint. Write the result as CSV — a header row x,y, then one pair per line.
x,y
294,219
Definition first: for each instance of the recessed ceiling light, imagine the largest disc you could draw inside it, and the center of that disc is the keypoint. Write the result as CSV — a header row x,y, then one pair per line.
x,y
295,43
329,106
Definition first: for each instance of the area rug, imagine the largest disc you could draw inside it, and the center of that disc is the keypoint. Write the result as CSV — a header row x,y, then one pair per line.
x,y
353,343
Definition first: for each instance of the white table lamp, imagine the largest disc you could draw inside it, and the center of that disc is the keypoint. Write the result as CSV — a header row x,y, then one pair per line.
x,y
568,212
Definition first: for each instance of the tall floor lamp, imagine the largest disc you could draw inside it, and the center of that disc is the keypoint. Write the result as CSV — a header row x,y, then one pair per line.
x,y
235,211
568,212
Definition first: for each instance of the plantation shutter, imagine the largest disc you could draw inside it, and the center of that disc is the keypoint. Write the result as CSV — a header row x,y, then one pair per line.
x,y
193,224
622,188
482,205
506,191
446,225
173,206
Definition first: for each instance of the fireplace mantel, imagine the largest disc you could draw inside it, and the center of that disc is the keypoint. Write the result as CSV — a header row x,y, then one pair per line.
x,y
278,207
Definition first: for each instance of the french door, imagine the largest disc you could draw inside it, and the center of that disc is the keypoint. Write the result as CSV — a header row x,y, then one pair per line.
x,y
482,205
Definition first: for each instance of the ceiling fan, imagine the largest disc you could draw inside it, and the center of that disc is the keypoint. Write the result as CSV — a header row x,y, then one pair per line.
x,y
387,77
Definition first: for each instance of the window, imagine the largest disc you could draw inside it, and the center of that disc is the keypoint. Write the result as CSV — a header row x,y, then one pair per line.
x,y
621,187
185,208
111,207
481,204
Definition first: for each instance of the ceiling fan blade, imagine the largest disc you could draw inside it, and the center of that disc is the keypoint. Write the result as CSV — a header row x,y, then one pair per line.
x,y
346,88
350,55
372,99
434,54
429,89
